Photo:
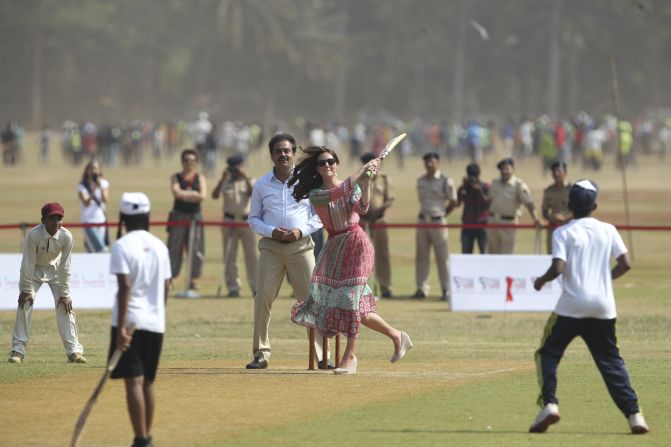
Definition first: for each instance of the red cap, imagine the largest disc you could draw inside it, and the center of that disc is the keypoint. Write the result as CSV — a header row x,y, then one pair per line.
x,y
51,209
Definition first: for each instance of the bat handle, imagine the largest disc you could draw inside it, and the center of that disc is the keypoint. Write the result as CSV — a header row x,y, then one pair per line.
x,y
116,356
368,173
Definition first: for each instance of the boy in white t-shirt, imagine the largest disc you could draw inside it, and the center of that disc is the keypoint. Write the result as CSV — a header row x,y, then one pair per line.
x,y
141,264
581,252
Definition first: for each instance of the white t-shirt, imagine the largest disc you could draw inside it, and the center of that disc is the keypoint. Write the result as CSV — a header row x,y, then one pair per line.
x,y
594,139
93,213
587,245
144,257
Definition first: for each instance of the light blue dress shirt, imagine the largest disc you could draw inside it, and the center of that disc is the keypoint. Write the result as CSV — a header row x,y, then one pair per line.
x,y
273,206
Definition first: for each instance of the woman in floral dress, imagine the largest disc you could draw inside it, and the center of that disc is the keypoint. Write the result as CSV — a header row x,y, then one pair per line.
x,y
340,299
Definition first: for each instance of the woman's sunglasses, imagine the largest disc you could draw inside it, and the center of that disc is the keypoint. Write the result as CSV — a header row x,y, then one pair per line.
x,y
329,161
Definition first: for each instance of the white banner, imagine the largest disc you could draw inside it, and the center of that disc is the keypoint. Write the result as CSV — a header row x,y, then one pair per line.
x,y
501,283
91,284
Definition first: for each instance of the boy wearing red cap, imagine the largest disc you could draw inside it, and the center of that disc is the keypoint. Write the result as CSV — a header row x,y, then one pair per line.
x,y
46,259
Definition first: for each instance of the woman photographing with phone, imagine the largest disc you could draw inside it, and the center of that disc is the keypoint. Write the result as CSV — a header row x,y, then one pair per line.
x,y
340,298
93,192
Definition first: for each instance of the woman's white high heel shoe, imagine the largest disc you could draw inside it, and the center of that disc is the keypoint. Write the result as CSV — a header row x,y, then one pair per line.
x,y
406,345
350,370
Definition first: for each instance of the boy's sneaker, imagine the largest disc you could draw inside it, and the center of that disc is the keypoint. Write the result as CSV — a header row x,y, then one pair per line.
x,y
76,357
637,424
15,357
549,415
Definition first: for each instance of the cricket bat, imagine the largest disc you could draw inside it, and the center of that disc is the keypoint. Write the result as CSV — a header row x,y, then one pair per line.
x,y
391,144
113,361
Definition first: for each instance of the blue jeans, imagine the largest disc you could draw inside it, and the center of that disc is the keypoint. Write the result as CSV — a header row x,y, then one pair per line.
x,y
469,236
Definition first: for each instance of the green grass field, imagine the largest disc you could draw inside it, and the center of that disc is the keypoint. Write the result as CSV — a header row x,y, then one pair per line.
x,y
469,381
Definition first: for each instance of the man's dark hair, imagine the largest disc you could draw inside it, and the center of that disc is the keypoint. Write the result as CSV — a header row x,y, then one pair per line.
x,y
505,161
281,137
368,156
132,222
189,151
431,155
558,164
473,170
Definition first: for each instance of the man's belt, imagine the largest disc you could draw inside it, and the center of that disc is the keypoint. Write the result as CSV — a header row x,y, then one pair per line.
x,y
232,216
430,218
502,217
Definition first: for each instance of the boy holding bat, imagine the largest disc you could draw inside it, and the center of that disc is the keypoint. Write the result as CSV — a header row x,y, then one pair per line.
x,y
141,264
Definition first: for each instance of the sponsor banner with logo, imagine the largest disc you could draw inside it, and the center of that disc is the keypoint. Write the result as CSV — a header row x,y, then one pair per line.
x,y
91,284
501,283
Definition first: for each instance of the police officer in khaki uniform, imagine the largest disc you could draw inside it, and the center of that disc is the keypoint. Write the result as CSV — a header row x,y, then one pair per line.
x,y
381,198
508,194
437,198
555,201
236,188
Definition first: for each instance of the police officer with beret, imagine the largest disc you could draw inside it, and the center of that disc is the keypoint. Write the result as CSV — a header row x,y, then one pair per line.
x,y
555,201
508,194
437,198
236,188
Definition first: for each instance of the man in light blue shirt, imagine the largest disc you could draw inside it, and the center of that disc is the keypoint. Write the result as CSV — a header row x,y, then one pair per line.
x,y
285,246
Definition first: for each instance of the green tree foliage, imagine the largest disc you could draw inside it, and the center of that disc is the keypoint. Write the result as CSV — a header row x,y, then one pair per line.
x,y
265,60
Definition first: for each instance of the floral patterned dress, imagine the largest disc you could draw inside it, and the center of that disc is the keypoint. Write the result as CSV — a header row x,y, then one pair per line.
x,y
339,292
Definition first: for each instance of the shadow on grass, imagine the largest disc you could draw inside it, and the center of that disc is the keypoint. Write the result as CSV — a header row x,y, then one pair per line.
x,y
495,432
237,371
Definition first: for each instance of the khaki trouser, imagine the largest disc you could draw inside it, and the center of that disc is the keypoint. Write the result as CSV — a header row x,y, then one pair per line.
x,y
550,231
244,235
277,259
380,239
67,323
425,239
501,241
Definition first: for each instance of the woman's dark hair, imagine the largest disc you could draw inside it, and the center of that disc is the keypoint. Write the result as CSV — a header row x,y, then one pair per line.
x,y
87,167
132,222
281,137
305,174
188,152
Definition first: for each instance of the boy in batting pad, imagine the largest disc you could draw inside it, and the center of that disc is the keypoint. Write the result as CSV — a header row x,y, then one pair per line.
x,y
581,252
141,264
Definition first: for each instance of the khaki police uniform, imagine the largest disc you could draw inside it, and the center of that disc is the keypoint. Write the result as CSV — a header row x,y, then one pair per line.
x,y
380,192
236,197
555,200
434,194
507,199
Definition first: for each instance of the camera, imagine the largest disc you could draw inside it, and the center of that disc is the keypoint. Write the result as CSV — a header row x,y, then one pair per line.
x,y
233,169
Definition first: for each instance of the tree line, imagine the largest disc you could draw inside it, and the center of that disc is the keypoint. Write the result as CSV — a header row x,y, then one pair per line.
x,y
270,60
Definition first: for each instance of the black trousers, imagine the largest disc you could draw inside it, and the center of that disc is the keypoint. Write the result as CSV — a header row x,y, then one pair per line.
x,y
599,335
469,236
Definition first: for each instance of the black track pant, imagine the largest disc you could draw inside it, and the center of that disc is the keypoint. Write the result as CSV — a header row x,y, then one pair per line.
x,y
599,335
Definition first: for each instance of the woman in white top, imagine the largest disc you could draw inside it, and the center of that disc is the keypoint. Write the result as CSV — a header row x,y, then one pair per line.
x,y
93,195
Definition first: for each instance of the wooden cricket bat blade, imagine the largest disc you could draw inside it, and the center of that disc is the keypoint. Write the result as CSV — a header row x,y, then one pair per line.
x,y
111,364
